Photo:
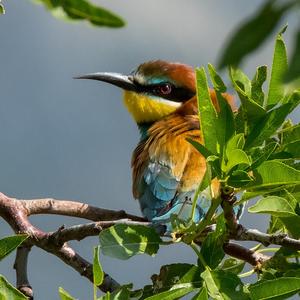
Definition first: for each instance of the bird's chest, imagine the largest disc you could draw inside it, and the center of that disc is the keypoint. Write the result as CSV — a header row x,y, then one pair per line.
x,y
168,157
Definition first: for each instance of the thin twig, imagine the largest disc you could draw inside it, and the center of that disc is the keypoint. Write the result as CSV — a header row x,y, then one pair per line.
x,y
20,266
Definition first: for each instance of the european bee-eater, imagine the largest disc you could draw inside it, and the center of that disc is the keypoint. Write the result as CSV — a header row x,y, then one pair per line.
x,y
166,168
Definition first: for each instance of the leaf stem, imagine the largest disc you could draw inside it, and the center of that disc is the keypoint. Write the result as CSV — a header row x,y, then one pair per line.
x,y
246,274
215,202
195,199
95,291
201,258
267,250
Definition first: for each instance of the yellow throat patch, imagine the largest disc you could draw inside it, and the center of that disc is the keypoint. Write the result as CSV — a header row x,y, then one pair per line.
x,y
146,109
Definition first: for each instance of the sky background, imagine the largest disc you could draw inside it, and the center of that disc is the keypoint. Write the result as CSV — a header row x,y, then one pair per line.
x,y
71,139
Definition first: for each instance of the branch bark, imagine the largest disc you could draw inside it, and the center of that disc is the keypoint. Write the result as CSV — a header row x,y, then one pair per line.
x,y
16,212
20,266
79,232
245,234
74,209
251,257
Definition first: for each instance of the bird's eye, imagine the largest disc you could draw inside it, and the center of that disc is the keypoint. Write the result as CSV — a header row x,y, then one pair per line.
x,y
165,89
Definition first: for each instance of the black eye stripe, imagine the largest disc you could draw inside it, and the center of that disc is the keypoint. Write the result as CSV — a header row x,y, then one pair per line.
x,y
177,94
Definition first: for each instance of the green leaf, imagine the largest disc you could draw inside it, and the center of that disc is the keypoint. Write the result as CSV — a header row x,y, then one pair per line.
x,y
235,157
216,127
274,205
279,68
275,225
294,66
212,247
225,126
292,224
216,79
269,123
289,138
233,265
250,111
274,173
270,289
290,134
223,285
260,77
2,10
212,159
8,292
171,280
240,81
290,150
207,112
289,223
236,142
171,294
292,273
270,190
10,243
239,178
226,123
260,155
283,211
64,295
122,294
201,149
107,296
201,295
98,274
177,276
123,241
256,29
83,10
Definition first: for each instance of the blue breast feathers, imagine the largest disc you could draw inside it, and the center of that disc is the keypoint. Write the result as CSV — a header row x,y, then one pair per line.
x,y
161,197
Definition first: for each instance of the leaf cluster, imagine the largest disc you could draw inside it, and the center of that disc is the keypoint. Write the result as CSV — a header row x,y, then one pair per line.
x,y
7,245
254,31
74,10
2,10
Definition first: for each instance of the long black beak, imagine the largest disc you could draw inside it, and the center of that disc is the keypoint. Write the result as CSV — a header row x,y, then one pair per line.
x,y
123,81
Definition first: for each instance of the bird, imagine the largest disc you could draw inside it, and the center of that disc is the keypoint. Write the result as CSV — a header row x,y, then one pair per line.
x,y
166,168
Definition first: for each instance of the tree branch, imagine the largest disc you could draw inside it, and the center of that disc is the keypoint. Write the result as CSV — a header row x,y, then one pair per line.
x,y
74,209
253,258
79,232
245,234
78,263
228,199
16,212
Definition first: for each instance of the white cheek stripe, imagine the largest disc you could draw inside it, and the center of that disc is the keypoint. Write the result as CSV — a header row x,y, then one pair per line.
x,y
165,101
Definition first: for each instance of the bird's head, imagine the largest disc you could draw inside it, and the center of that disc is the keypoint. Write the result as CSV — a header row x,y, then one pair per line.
x,y
154,90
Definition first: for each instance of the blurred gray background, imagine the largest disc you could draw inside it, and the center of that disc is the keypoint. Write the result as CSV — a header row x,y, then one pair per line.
x,y
71,139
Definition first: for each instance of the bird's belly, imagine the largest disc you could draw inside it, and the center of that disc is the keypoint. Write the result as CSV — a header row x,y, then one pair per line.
x,y
162,212
181,205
